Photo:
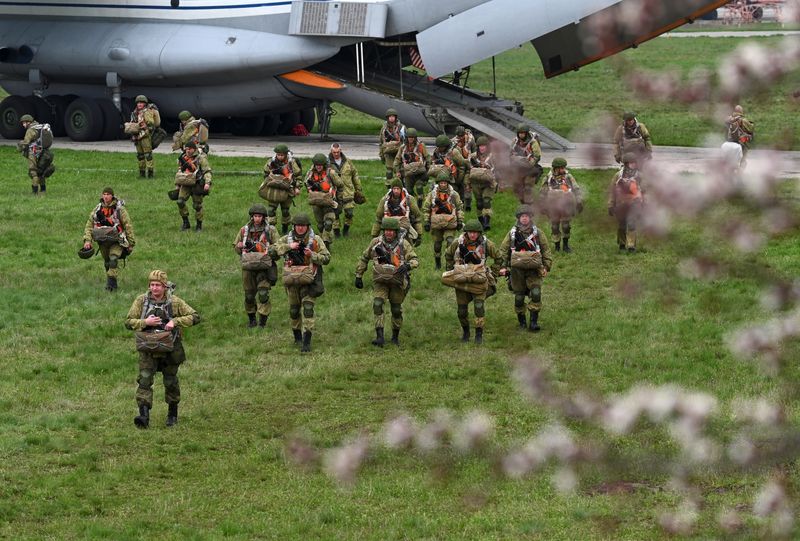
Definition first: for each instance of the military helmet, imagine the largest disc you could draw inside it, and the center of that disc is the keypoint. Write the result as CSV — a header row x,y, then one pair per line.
x,y
442,141
738,109
524,209
86,253
396,183
301,219
108,189
390,223
630,157
461,130
411,132
319,159
482,140
523,128
141,98
258,208
191,144
444,177
389,112
157,276
26,118
473,225
281,148
628,115
559,162
183,116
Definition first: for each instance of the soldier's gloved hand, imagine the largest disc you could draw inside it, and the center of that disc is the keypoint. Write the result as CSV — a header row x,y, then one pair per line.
x,y
359,283
405,267
611,211
427,227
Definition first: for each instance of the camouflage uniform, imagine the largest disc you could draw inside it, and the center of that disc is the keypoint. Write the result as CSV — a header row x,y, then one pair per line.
x,y
740,130
449,160
413,153
526,282
399,253
146,119
190,131
482,189
198,165
625,203
442,201
528,151
390,139
170,308
291,172
351,185
257,283
112,214
40,159
463,145
303,296
561,199
404,208
632,136
326,180
465,251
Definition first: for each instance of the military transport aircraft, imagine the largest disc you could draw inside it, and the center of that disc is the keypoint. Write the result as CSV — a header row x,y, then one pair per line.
x,y
266,66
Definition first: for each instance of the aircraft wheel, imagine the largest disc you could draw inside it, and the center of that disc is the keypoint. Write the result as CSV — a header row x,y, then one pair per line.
x,y
247,127
11,109
84,120
271,123
288,121
112,120
308,118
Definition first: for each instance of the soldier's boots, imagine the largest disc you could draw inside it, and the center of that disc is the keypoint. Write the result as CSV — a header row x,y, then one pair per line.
x,y
479,335
558,246
142,173
622,247
42,187
111,283
523,323
143,419
199,226
396,337
150,173
251,320
567,249
465,333
337,233
186,225
284,229
534,326
379,339
438,262
346,230
632,250
262,320
172,415
298,336
35,189
306,347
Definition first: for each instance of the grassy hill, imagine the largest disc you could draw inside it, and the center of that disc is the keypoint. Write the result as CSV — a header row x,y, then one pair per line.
x,y
74,466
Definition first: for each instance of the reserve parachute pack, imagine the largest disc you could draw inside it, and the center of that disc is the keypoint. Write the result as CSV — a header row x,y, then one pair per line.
x,y
45,139
159,134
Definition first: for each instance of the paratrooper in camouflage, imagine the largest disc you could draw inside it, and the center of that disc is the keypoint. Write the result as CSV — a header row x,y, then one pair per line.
x,y
465,145
443,214
398,203
110,226
323,183
35,146
625,201
283,176
561,199
632,136
526,152
390,139
350,193
411,164
482,181
194,164
259,272
145,117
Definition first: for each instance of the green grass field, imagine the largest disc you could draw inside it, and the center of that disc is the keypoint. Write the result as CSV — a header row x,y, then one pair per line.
x,y
75,468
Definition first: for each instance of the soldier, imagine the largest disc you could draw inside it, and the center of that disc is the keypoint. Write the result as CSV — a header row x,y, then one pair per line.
x,y
632,136
473,248
393,258
304,254
391,138
351,191
322,184
259,272
526,152
194,165
398,203
740,130
444,215
464,145
561,199
625,202
482,181
158,317
412,163
110,225
146,119
35,146
526,258
284,173
191,130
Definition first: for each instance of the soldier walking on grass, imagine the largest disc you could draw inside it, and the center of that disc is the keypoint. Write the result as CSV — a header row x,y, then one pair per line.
x,y
398,203
259,272
526,153
411,164
391,138
351,193
193,180
625,202
191,129
740,130
158,318
282,176
392,258
464,145
561,199
35,146
110,226
482,181
322,184
145,117
444,215
304,255
526,258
